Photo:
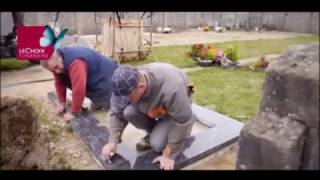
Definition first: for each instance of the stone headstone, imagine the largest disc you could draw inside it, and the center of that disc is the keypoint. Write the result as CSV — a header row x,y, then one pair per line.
x,y
285,132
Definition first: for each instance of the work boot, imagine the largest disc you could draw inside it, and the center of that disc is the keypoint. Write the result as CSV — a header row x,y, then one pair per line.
x,y
143,144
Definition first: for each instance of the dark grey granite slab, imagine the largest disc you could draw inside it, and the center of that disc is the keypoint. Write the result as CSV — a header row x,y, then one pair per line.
x,y
223,132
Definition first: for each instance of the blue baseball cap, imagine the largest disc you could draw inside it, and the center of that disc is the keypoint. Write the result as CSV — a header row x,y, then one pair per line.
x,y
124,80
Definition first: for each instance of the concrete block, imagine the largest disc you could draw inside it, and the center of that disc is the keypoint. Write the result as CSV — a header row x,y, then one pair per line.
x,y
270,142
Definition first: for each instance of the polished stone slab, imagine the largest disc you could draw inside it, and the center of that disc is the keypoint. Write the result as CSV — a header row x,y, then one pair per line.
x,y
223,131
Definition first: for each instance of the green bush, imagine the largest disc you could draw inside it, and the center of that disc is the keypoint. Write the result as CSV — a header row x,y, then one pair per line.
x,y
231,53
212,52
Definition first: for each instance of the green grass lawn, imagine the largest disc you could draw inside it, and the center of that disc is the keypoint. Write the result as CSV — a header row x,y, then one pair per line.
x,y
177,55
13,64
235,93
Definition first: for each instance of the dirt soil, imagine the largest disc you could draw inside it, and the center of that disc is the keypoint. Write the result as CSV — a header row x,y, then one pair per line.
x,y
225,160
59,148
19,132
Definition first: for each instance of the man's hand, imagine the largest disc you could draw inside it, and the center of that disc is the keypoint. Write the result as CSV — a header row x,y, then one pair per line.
x,y
67,117
108,150
165,162
61,108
